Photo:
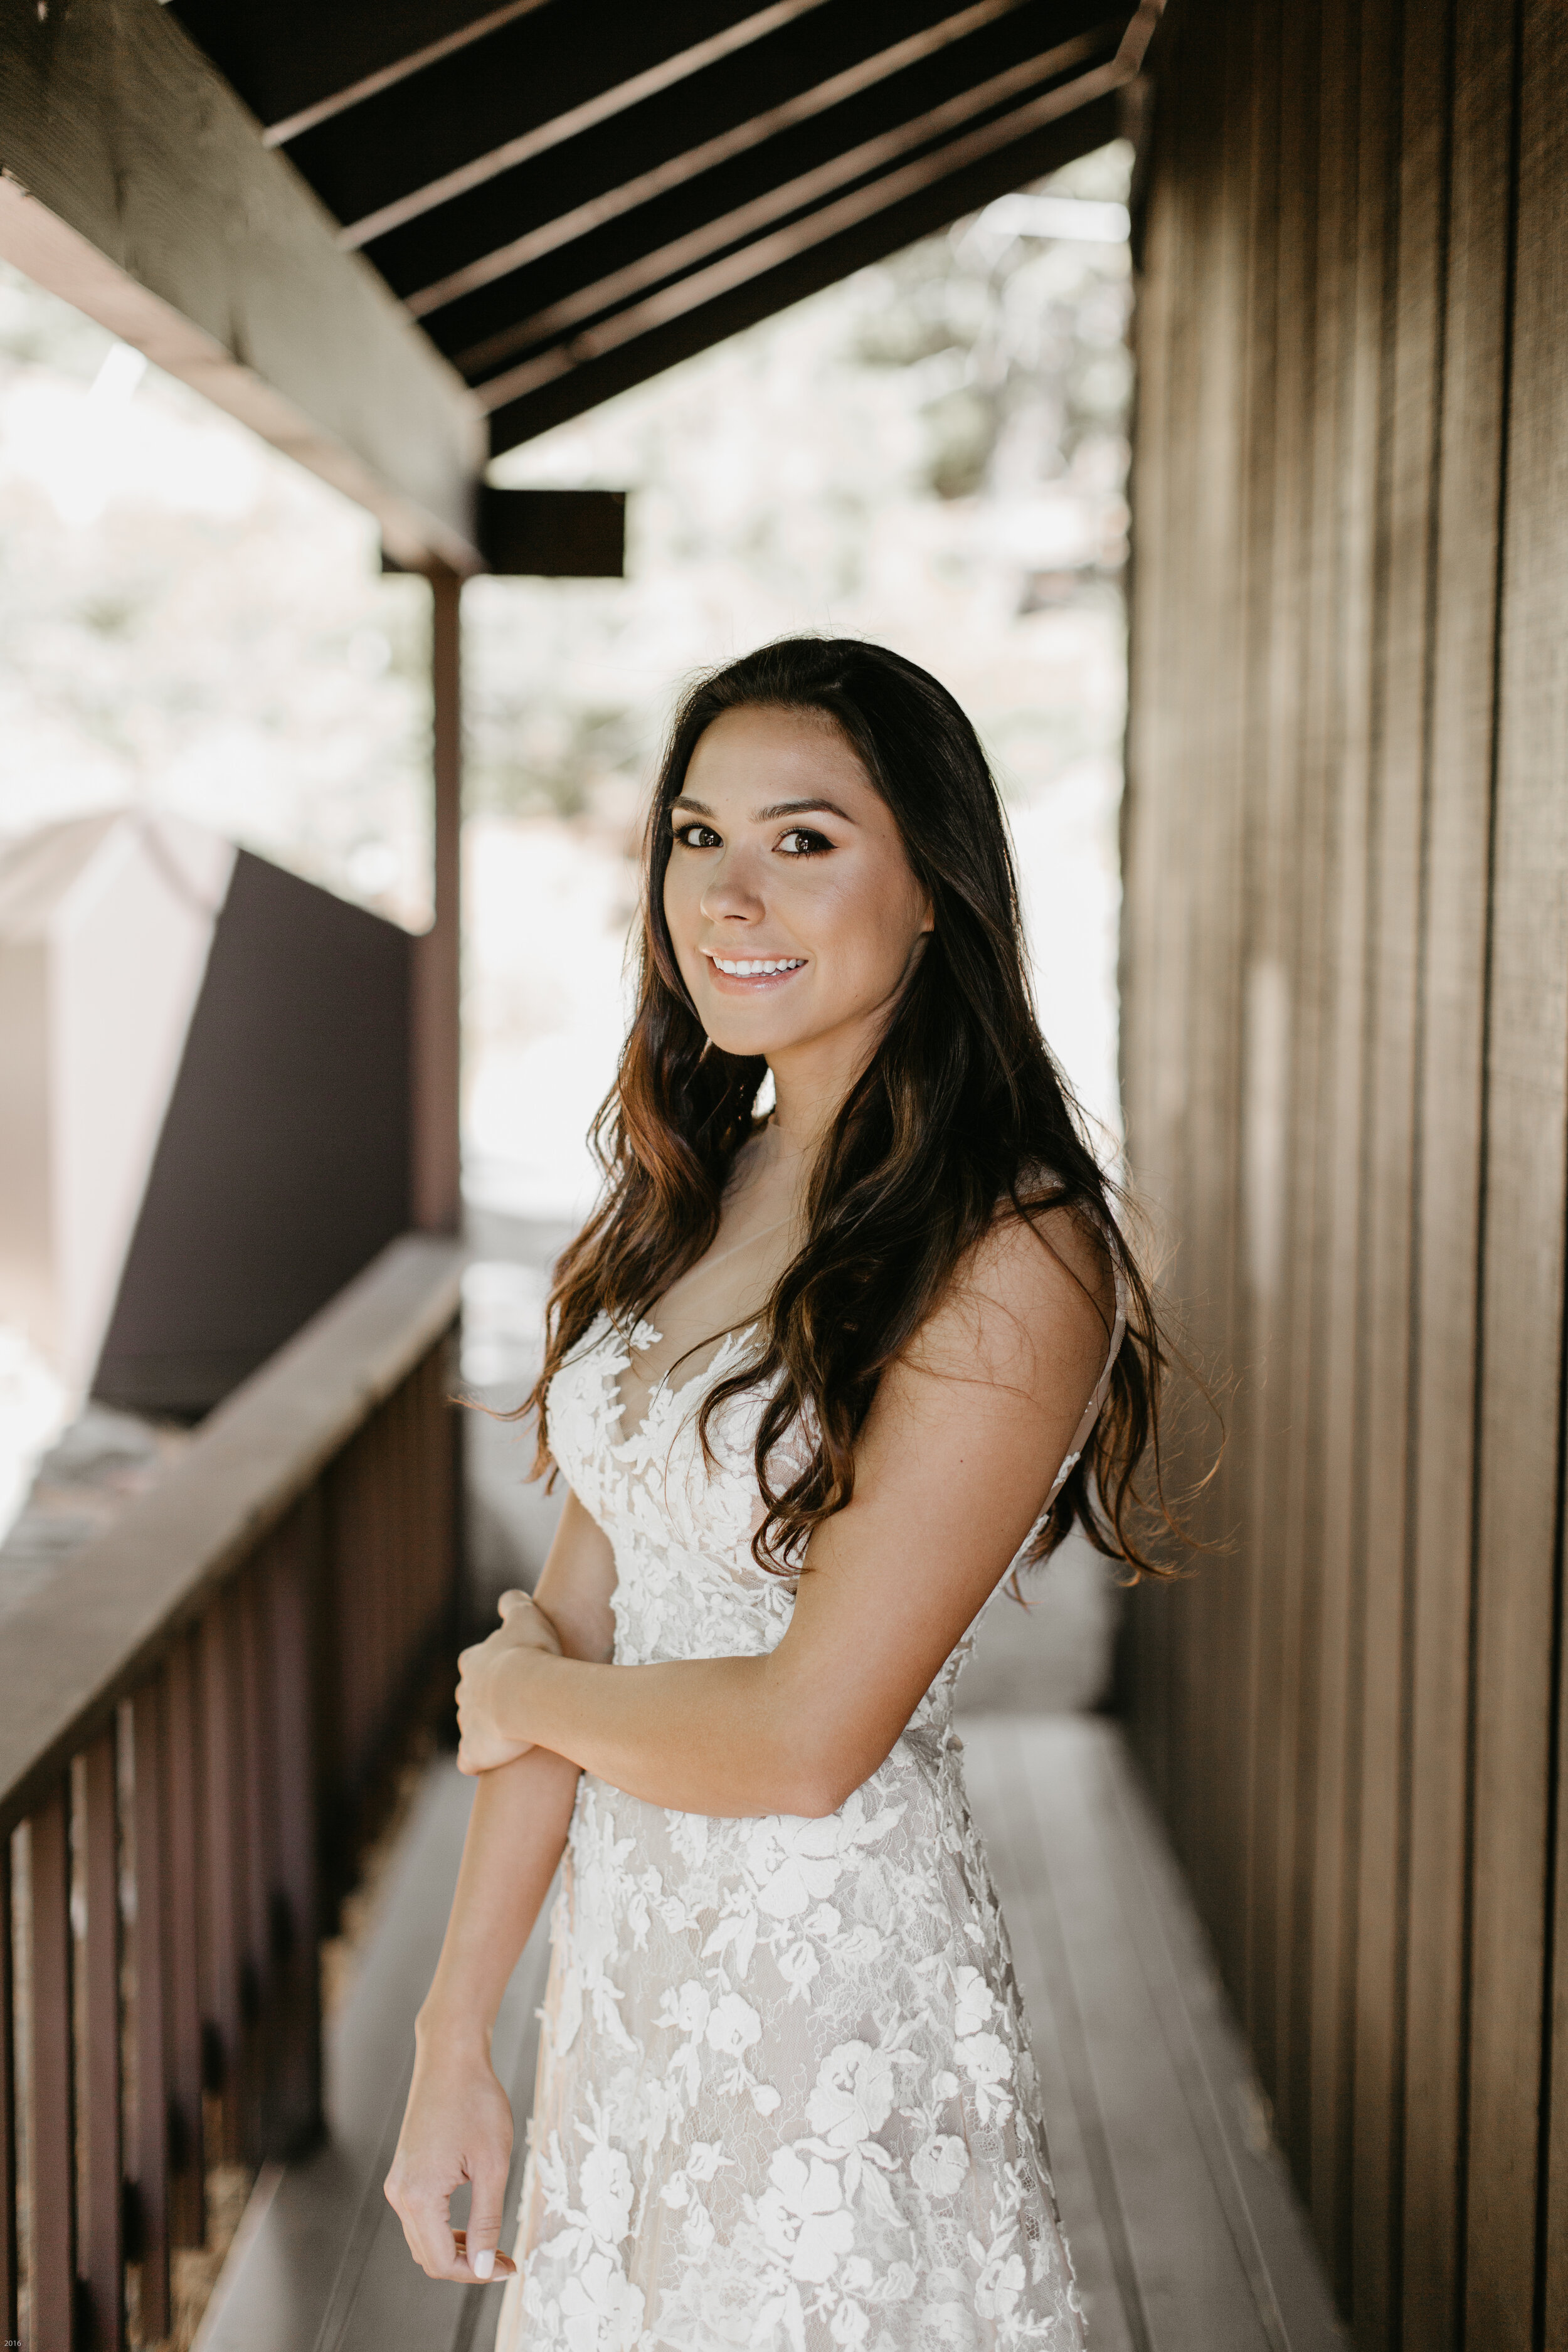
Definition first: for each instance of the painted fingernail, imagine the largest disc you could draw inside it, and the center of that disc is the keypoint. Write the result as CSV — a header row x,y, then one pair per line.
x,y
484,2264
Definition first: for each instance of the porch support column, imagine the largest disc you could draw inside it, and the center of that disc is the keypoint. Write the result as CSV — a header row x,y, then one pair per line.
x,y
434,1187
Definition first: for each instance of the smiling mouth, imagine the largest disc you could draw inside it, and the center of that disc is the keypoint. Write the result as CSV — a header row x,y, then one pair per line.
x,y
755,969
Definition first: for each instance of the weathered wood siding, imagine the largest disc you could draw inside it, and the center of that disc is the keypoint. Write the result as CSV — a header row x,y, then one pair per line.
x,y
1346,1065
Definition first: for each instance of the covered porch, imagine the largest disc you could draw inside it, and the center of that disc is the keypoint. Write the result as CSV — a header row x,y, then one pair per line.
x,y
1290,1922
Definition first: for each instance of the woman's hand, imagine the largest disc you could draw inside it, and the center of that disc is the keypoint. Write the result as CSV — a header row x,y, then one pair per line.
x,y
457,2127
524,1626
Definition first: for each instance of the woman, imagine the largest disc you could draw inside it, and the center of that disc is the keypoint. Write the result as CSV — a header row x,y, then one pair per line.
x,y
816,1382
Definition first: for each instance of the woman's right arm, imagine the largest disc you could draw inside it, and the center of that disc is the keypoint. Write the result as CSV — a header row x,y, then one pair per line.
x,y
458,2123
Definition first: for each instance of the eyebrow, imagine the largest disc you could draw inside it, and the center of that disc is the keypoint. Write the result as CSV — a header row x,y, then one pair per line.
x,y
765,816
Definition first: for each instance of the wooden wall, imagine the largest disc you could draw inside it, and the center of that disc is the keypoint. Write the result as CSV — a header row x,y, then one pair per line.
x,y
1346,1067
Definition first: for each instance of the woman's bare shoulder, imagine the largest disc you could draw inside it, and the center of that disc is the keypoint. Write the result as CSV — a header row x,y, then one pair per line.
x,y
1032,1288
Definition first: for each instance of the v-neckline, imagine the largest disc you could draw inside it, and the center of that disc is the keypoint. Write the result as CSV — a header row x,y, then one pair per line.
x,y
661,1386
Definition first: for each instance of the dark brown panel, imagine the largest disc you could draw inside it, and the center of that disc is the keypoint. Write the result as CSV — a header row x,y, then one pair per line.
x,y
282,1164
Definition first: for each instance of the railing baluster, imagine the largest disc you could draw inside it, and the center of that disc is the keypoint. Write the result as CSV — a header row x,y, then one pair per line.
x,y
220,1734
293,1571
153,2042
10,2266
258,2003
102,2198
53,2267
188,2152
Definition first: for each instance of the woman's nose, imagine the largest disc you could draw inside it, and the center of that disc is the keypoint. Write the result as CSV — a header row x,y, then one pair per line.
x,y
731,888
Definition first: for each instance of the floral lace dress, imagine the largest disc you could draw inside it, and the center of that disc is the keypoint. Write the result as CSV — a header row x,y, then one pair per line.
x,y
785,2099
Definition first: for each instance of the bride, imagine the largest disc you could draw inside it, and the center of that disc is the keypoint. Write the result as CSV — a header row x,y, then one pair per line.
x,y
816,1382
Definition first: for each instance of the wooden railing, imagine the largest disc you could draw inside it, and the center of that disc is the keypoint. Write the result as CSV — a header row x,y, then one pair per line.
x,y
193,1714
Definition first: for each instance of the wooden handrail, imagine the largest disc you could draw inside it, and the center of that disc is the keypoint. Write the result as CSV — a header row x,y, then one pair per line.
x,y
71,1651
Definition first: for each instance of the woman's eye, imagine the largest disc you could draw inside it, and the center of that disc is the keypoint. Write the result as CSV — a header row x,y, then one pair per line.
x,y
807,843
685,834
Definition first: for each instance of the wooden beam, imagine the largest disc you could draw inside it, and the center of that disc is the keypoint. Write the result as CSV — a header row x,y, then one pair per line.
x,y
765,279
134,184
554,534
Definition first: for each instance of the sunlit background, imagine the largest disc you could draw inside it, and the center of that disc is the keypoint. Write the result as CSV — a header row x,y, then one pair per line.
x,y
932,453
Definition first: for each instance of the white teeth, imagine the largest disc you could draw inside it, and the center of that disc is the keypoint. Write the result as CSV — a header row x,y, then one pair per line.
x,y
751,971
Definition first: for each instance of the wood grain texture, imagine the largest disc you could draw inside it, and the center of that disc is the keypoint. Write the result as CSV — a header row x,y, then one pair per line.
x,y
1526,1200
138,188
1378,1668
1445,1269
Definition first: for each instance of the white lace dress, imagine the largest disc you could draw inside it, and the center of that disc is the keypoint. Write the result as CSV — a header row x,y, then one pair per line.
x,y
785,2099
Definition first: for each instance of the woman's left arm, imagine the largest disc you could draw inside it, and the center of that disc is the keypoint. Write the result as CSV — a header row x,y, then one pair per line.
x,y
958,1451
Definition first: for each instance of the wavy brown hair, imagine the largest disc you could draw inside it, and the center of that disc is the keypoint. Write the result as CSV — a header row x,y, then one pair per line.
x,y
960,1116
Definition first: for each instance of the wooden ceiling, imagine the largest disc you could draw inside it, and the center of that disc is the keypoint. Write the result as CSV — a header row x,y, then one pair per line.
x,y
572,194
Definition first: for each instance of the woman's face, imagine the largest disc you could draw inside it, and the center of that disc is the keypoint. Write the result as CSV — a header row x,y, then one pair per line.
x,y
784,855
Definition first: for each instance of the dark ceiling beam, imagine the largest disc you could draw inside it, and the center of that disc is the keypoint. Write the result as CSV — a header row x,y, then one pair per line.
x,y
295,63
520,93
574,295
134,184
642,163
699,312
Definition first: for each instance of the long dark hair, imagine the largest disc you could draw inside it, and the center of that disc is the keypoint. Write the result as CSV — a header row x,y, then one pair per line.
x,y
961,1115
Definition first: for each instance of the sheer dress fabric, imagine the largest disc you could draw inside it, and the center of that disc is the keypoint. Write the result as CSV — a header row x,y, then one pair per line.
x,y
785,2099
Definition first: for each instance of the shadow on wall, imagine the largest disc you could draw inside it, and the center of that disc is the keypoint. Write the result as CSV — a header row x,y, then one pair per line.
x,y
1052,1658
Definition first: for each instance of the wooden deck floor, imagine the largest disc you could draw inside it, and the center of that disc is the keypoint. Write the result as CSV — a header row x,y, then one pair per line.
x,y
1184,2227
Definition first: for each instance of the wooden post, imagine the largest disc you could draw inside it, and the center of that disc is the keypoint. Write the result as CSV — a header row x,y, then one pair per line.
x,y
435,1177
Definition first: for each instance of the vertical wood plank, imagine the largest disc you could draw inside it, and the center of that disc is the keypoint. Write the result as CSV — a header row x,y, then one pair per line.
x,y
53,2268
1360,41
102,2200
1414,357
1458,857
153,2053
1518,1563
